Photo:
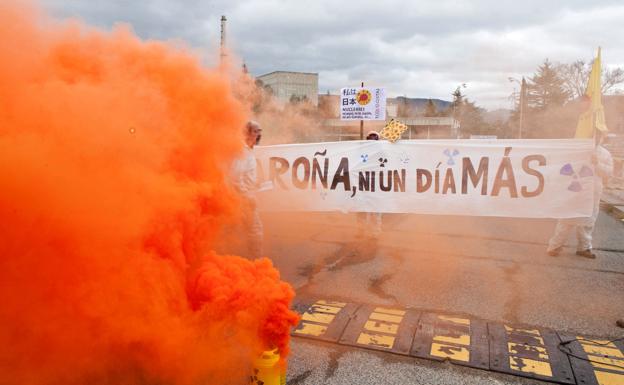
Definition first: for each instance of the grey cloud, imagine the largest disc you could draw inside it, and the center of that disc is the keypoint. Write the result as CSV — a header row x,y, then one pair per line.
x,y
411,48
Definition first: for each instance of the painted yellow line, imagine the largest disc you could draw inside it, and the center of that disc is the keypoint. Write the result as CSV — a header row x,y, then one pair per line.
x,y
606,378
376,340
458,353
455,320
605,343
515,348
538,339
389,311
603,351
318,317
381,327
325,309
528,365
386,317
331,303
463,339
615,365
533,332
311,329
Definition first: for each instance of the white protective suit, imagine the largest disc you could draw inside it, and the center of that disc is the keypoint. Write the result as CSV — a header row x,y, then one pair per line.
x,y
245,180
585,226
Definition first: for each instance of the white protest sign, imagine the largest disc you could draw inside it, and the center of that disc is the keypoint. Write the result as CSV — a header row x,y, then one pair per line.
x,y
511,178
363,103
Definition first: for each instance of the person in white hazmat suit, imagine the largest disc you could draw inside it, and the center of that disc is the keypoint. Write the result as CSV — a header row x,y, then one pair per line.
x,y
245,181
369,223
584,227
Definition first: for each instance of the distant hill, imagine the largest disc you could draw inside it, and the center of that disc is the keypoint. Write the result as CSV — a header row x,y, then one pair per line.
x,y
500,115
418,104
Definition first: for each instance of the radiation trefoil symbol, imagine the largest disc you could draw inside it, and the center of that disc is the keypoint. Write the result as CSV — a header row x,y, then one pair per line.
x,y
568,170
450,156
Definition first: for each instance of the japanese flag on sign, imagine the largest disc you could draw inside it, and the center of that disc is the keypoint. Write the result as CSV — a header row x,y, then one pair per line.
x,y
363,103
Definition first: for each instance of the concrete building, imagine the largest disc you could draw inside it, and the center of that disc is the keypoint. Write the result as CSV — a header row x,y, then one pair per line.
x,y
418,128
288,86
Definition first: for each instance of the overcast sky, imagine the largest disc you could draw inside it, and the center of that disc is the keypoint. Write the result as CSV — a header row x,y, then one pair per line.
x,y
412,48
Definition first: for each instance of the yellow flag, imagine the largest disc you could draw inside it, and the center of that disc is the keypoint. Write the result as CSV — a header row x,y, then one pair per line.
x,y
593,116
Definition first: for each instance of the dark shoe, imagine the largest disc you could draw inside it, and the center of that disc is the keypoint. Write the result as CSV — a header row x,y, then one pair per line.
x,y
620,323
554,252
586,254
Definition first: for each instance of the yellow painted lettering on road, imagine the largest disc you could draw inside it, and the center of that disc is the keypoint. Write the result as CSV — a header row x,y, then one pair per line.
x,y
463,339
528,365
458,353
607,363
381,327
603,351
533,332
606,378
593,342
325,309
537,351
376,340
317,317
311,329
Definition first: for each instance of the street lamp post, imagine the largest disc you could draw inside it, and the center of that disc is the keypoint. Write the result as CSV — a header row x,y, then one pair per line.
x,y
521,102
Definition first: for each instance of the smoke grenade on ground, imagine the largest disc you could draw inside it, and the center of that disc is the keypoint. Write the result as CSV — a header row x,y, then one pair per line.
x,y
113,168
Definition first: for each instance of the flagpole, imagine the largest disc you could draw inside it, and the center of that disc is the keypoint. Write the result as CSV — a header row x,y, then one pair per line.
x,y
362,124
522,101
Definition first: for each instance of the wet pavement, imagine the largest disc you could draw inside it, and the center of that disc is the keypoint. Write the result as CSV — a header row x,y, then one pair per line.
x,y
489,268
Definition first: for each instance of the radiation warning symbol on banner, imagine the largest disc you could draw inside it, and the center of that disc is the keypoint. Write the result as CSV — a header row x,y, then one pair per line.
x,y
393,130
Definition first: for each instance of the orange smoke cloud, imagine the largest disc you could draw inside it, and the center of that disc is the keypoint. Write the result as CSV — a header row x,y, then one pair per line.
x,y
113,162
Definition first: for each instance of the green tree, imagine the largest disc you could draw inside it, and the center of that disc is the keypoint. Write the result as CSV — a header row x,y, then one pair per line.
x,y
471,119
469,115
458,102
546,88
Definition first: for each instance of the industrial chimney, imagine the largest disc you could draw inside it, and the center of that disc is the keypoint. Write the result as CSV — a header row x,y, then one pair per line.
x,y
223,20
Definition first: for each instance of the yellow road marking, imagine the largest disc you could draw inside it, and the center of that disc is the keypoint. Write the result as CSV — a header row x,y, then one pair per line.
x,y
528,365
463,339
605,343
616,365
459,353
376,340
461,321
389,311
331,303
381,327
539,340
311,329
515,348
318,317
602,351
386,317
534,332
606,378
325,309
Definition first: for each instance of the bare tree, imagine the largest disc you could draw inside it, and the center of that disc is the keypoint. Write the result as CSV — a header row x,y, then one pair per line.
x,y
576,74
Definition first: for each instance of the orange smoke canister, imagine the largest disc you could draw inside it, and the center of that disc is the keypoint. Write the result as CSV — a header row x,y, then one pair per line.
x,y
268,370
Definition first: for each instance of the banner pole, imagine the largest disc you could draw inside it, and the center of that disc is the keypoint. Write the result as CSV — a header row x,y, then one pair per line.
x,y
362,124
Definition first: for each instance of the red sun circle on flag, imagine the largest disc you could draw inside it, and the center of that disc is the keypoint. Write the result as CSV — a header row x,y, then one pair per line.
x,y
363,97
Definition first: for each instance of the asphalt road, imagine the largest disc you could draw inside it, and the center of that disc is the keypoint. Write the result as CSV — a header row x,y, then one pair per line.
x,y
489,268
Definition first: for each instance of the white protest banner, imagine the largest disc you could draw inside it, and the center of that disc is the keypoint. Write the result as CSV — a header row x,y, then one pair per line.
x,y
362,103
511,178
